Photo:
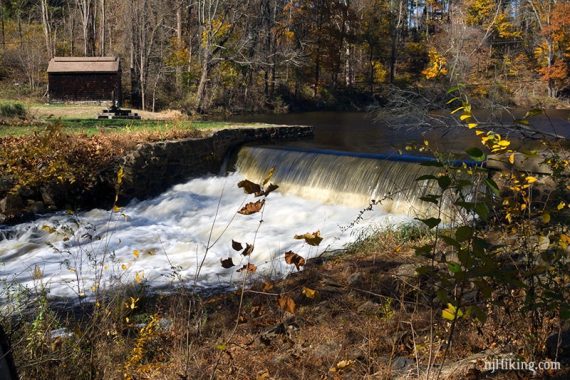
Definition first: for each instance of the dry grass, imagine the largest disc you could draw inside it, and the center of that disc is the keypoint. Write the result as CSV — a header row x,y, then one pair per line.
x,y
90,111
367,321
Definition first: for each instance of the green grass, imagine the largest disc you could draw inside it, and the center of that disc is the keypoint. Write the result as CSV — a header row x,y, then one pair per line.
x,y
94,126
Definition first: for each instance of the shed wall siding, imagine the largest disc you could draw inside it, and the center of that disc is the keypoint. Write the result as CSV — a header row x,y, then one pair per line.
x,y
84,86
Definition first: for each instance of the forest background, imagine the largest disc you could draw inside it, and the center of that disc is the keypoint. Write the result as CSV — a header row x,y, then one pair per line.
x,y
207,56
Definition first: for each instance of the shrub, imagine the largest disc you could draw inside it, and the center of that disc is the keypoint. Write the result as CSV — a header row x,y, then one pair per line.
x,y
12,110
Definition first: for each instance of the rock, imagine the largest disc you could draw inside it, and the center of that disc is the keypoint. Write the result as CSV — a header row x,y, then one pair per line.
x,y
406,270
368,307
6,184
11,204
51,195
355,279
401,364
563,350
35,207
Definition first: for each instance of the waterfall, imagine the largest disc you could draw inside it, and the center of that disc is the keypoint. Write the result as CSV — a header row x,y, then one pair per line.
x,y
342,179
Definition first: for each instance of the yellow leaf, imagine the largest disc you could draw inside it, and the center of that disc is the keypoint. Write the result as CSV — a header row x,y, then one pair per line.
x,y
313,239
48,229
479,133
512,159
136,253
344,363
124,266
504,143
457,109
561,205
116,208
139,277
465,116
564,241
309,293
120,175
472,125
268,176
133,303
451,312
530,179
546,217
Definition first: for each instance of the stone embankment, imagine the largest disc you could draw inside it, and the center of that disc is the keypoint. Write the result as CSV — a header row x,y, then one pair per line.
x,y
149,169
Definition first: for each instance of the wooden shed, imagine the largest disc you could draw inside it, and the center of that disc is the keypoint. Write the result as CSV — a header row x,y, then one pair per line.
x,y
78,79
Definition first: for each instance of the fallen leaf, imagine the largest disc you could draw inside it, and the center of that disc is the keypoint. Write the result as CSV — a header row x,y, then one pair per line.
x,y
344,363
340,365
237,246
248,249
313,239
286,303
264,375
227,263
136,253
252,208
309,293
267,286
248,267
249,187
295,259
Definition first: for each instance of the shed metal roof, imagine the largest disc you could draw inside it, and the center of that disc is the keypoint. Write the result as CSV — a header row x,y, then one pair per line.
x,y
83,65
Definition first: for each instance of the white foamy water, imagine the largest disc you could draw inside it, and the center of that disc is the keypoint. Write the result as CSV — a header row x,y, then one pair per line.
x,y
170,233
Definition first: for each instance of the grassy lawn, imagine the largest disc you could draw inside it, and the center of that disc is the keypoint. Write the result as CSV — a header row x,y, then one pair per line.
x,y
80,119
93,126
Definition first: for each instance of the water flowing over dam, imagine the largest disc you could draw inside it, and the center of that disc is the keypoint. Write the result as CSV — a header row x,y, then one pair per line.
x,y
342,179
180,236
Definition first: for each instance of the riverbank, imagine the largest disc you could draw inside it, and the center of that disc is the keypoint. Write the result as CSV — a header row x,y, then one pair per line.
x,y
360,313
55,170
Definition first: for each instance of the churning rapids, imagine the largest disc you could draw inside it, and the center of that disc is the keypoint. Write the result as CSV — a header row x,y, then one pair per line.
x,y
164,240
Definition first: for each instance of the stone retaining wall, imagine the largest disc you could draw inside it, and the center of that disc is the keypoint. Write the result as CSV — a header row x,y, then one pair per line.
x,y
153,168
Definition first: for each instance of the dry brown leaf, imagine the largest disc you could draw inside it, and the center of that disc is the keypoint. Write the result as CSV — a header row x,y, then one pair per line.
x,y
267,286
236,245
248,249
286,303
252,208
341,365
313,239
271,188
249,187
227,263
263,375
248,267
295,259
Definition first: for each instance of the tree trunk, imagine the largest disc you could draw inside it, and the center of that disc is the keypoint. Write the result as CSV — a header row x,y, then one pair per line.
x,y
2,26
103,31
179,43
46,23
201,92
